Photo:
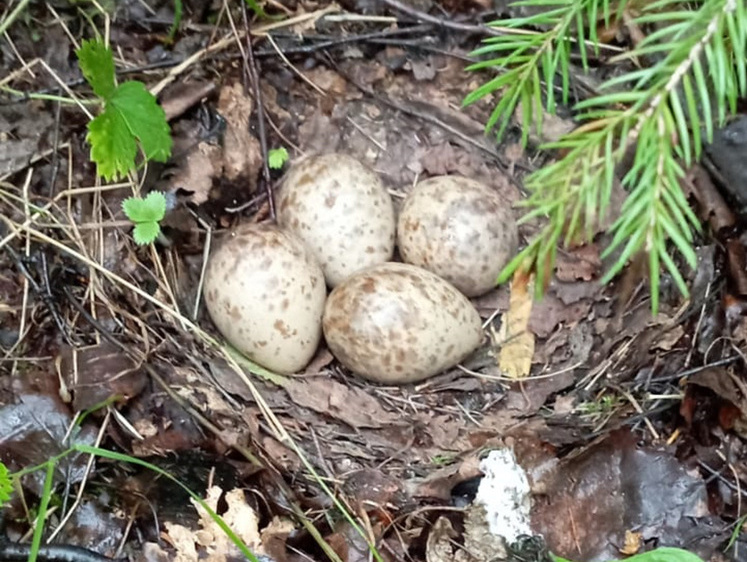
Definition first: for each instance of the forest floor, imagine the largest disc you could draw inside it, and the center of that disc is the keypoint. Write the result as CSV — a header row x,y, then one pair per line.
x,y
628,427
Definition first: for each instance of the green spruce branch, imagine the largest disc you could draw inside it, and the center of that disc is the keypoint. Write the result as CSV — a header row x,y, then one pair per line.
x,y
666,109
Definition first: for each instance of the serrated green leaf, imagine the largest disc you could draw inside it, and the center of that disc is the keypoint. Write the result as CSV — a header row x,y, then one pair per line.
x,y
150,209
113,148
145,232
6,484
144,118
97,64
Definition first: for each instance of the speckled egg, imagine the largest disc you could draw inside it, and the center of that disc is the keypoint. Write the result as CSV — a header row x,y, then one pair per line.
x,y
395,323
341,210
460,230
265,293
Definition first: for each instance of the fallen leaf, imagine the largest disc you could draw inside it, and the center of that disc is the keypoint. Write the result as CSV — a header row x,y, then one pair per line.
x,y
96,373
644,488
179,97
423,70
210,543
35,429
633,543
530,394
441,541
241,151
711,204
737,261
517,347
579,264
349,404
575,291
321,359
202,164
479,541
550,312
669,338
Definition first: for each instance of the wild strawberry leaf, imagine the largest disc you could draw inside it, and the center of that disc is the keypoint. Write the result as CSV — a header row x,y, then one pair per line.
x,y
150,209
145,119
97,64
131,115
6,485
145,232
113,147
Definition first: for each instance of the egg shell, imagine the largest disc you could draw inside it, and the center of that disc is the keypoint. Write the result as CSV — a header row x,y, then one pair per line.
x,y
341,210
265,293
460,229
395,323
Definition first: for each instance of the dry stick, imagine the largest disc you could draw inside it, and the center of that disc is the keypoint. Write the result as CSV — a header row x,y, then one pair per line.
x,y
297,72
227,41
328,41
422,16
251,68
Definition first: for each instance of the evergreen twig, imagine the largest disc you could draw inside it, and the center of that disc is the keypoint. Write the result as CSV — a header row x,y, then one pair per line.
x,y
668,109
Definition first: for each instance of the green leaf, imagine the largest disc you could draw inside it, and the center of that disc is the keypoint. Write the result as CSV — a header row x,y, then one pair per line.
x,y
145,119
6,484
97,64
150,209
145,232
145,214
277,157
665,554
131,114
256,8
113,147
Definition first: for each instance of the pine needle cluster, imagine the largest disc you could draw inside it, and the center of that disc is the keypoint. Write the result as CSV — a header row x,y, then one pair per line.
x,y
689,71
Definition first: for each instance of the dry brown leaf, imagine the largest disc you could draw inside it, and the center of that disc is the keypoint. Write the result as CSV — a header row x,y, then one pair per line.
x,y
241,151
633,543
516,353
203,163
579,264
441,542
210,543
668,338
711,204
180,97
349,404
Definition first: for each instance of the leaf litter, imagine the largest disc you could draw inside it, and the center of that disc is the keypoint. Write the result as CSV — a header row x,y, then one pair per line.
x,y
601,413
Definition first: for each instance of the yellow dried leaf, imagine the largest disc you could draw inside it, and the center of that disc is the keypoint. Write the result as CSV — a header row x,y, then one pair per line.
x,y
517,349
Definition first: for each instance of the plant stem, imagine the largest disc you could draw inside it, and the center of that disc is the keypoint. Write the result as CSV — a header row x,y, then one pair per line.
x,y
47,97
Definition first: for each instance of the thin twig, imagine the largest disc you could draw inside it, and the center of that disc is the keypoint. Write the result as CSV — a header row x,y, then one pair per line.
x,y
253,72
443,23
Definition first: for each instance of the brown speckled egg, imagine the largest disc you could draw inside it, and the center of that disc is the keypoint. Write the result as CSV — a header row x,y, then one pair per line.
x,y
395,323
265,294
341,210
460,230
